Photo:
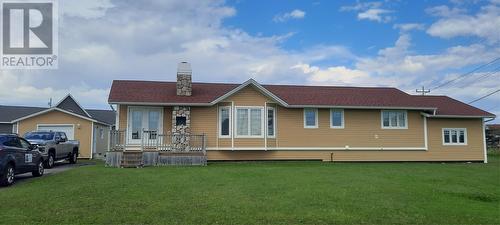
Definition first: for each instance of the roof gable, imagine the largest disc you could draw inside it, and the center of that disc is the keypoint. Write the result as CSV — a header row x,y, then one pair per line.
x,y
257,86
69,104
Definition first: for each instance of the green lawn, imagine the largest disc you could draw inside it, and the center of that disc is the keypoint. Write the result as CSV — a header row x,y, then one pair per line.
x,y
262,193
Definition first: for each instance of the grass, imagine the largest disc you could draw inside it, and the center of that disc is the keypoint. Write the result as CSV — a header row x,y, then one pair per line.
x,y
262,193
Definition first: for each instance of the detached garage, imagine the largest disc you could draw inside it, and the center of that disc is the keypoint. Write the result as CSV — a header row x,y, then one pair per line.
x,y
89,127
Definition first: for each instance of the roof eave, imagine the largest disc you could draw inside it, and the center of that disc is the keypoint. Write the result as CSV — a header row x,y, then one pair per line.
x,y
159,103
459,116
362,107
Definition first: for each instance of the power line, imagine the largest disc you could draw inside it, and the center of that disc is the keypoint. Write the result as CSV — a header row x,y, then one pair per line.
x,y
466,74
485,96
496,70
494,107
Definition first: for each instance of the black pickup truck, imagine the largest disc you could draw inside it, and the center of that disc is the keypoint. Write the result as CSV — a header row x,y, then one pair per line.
x,y
18,156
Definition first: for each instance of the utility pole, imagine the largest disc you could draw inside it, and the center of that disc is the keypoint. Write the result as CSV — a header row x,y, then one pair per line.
x,y
423,91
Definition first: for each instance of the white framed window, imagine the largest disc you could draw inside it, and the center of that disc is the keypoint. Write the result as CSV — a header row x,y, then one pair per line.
x,y
14,128
225,122
310,118
336,118
394,119
144,119
101,133
271,122
250,122
454,136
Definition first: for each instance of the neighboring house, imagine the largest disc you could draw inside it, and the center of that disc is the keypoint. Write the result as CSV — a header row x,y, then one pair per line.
x,y
251,121
493,135
90,127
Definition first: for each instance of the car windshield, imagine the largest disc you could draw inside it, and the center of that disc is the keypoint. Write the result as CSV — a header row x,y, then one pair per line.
x,y
39,136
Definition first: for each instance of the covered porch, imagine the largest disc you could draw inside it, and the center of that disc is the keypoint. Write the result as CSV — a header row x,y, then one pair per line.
x,y
153,148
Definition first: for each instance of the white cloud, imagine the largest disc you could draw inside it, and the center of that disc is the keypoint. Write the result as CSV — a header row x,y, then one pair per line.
x,y
133,40
361,6
294,14
454,23
444,11
375,15
405,27
370,11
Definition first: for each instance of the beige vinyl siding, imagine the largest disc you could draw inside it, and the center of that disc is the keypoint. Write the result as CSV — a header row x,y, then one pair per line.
x,y
473,151
204,121
362,128
248,96
167,120
83,132
123,113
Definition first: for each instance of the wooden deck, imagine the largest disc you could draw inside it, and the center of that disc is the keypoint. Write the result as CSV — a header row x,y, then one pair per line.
x,y
156,150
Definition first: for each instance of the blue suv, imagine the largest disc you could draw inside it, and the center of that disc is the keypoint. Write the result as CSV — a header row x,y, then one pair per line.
x,y
18,156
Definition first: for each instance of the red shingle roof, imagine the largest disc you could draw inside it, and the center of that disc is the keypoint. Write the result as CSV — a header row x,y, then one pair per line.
x,y
155,92
165,92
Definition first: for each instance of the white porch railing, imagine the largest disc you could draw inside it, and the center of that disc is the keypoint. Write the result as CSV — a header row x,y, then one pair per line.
x,y
154,141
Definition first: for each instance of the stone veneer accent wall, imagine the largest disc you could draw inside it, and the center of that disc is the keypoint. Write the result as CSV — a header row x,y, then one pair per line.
x,y
184,86
180,141
181,111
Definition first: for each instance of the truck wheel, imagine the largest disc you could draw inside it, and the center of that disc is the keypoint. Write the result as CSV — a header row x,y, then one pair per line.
x,y
8,176
73,158
50,161
38,172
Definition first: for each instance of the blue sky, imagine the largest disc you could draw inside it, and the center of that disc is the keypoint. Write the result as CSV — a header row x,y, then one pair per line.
x,y
405,44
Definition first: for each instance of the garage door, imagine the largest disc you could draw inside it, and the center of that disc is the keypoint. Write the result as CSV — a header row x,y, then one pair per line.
x,y
68,129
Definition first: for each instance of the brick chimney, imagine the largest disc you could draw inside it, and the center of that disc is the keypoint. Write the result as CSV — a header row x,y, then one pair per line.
x,y
184,79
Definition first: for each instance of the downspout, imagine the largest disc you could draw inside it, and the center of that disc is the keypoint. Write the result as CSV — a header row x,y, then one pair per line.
x,y
265,126
92,141
484,139
425,134
232,126
218,127
117,119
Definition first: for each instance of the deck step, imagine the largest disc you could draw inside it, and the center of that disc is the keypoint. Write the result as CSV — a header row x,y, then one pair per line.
x,y
132,160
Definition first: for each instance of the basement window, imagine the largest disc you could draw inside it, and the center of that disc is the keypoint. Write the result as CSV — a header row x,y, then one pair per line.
x,y
180,121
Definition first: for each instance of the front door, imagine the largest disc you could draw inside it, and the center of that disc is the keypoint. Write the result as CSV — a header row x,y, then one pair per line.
x,y
143,119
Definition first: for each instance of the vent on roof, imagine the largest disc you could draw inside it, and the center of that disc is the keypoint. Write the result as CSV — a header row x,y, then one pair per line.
x,y
184,79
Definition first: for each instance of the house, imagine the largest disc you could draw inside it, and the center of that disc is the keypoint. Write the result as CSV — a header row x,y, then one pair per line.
x,y
493,135
89,126
251,121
